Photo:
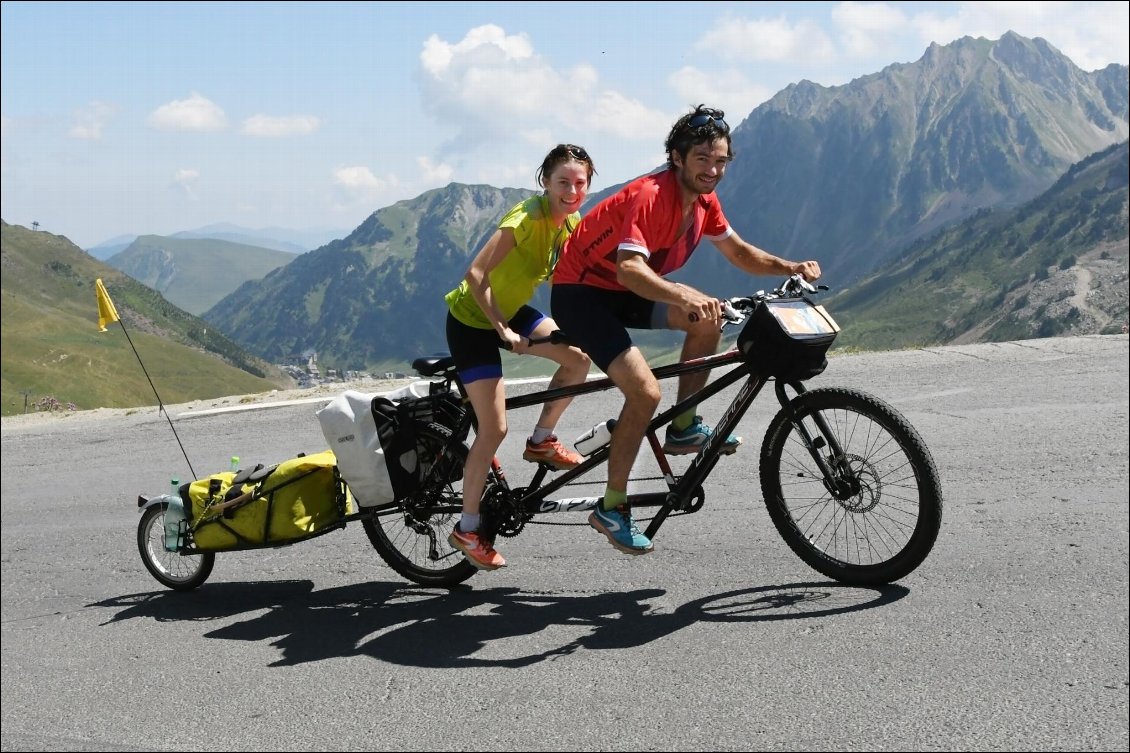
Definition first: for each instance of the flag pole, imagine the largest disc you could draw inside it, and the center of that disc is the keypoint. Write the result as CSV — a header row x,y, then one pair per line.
x,y
108,313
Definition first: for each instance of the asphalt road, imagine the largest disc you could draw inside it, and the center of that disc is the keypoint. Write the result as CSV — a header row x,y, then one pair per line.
x,y
1011,636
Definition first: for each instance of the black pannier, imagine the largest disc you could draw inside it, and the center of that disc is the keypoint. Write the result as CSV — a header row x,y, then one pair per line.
x,y
787,338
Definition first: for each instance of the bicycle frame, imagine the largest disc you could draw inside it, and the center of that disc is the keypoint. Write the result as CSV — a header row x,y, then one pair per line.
x,y
685,493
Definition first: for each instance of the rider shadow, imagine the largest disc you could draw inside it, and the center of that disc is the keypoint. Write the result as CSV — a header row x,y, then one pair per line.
x,y
470,627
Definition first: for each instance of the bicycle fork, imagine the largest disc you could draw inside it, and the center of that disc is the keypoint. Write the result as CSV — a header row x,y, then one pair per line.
x,y
835,468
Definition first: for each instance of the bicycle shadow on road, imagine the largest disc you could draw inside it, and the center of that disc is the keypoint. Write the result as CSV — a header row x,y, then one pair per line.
x,y
466,627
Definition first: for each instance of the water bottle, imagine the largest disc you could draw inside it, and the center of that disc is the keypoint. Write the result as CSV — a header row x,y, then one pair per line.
x,y
174,514
234,463
595,438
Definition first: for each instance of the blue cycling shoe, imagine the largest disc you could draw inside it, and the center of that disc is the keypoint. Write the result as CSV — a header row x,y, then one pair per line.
x,y
620,529
690,439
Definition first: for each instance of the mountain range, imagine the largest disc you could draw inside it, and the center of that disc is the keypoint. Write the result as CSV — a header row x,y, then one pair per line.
x,y
978,193
295,241
850,175
195,273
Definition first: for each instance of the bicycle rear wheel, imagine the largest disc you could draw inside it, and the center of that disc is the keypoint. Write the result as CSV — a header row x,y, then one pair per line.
x,y
875,518
412,538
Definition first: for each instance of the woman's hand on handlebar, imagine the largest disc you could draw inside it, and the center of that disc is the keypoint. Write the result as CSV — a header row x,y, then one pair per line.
x,y
523,345
514,342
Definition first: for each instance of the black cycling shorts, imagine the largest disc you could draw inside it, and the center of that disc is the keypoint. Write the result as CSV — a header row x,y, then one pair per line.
x,y
476,351
597,320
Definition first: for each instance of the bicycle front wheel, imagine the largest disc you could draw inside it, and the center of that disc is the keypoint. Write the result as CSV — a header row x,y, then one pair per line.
x,y
859,498
412,538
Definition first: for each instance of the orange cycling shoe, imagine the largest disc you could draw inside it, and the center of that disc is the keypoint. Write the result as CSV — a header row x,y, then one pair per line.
x,y
552,453
479,551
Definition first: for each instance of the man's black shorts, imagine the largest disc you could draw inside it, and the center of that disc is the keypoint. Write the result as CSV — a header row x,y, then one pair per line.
x,y
597,320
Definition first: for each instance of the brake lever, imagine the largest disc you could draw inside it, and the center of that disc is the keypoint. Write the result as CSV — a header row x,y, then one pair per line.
x,y
804,284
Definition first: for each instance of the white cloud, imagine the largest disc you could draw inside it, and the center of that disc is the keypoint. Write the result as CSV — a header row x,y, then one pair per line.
x,y
868,29
275,126
492,86
728,90
356,186
357,178
433,174
89,121
196,113
183,181
484,45
767,39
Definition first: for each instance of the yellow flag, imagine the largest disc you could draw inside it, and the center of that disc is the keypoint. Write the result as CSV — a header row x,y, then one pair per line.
x,y
106,311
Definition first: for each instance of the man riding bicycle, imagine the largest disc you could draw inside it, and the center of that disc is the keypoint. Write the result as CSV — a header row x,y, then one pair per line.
x,y
611,277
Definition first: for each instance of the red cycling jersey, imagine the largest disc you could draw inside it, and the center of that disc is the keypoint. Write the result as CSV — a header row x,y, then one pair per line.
x,y
646,216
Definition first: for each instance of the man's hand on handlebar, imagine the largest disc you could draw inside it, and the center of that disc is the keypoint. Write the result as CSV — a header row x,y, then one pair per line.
x,y
698,306
809,270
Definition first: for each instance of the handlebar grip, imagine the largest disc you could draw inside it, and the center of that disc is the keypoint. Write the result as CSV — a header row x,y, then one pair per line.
x,y
556,337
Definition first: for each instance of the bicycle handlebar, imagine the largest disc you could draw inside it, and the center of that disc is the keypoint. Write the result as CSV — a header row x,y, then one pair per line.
x,y
735,310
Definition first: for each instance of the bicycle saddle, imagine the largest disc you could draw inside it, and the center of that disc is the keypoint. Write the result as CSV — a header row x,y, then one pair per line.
x,y
431,365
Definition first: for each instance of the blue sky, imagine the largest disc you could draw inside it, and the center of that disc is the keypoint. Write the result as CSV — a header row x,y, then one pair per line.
x,y
156,117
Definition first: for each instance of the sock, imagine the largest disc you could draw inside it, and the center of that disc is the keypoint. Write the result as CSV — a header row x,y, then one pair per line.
x,y
540,435
613,499
683,420
468,523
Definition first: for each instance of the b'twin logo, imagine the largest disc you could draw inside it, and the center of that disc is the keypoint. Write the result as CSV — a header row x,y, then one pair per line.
x,y
610,523
346,438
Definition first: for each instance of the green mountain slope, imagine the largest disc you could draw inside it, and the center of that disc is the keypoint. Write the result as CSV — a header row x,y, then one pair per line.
x,y
52,348
195,273
372,300
1056,265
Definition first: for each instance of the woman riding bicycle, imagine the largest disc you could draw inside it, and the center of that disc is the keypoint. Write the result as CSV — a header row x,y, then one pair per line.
x,y
490,310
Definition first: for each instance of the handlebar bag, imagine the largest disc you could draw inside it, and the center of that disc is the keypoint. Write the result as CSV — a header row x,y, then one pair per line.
x,y
375,448
299,498
787,338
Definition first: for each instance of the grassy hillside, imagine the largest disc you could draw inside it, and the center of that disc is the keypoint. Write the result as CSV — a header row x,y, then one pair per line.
x,y
53,352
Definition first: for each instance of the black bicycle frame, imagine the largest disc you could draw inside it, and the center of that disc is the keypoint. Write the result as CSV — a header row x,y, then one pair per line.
x,y
681,495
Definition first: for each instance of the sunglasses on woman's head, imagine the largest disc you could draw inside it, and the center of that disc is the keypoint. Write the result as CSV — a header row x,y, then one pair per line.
x,y
577,152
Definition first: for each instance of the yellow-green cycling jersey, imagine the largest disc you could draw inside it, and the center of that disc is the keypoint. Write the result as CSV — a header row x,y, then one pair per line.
x,y
537,247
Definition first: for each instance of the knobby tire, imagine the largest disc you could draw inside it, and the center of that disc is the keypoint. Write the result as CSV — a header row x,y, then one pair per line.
x,y
884,529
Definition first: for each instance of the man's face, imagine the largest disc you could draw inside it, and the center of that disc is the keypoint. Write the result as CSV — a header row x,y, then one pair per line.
x,y
702,169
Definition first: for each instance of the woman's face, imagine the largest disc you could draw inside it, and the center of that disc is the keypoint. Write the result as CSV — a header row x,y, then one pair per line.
x,y
567,187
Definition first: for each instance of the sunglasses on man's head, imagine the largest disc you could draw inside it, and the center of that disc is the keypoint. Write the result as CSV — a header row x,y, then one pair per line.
x,y
703,118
